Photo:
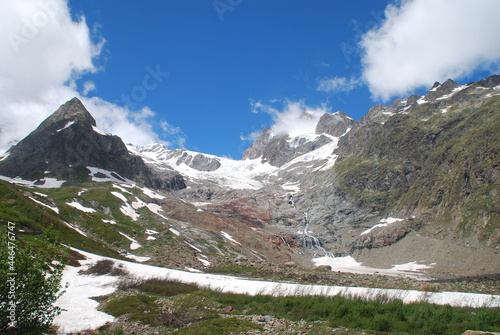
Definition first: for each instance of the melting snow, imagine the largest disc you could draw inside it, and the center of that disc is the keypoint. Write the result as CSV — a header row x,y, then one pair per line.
x,y
119,196
80,207
109,221
229,237
174,231
122,188
192,246
350,265
55,209
47,182
204,261
69,124
81,311
101,175
4,156
151,194
139,259
129,211
76,228
383,223
134,245
97,130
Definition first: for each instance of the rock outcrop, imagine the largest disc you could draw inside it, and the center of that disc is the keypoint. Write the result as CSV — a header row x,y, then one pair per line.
x,y
68,141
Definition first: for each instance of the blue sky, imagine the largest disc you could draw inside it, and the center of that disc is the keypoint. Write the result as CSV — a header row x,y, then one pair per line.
x,y
259,51
191,73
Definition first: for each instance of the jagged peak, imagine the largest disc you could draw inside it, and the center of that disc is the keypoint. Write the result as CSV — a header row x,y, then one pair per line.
x,y
72,110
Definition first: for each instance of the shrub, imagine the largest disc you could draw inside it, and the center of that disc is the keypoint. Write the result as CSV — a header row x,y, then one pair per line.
x,y
34,288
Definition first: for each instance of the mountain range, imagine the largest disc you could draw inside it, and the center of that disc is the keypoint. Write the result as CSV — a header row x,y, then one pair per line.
x,y
414,182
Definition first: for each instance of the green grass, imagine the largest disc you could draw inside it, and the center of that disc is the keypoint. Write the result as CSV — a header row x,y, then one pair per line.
x,y
219,326
201,308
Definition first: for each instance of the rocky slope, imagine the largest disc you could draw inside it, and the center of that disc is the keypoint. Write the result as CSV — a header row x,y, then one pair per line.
x,y
68,142
413,182
423,172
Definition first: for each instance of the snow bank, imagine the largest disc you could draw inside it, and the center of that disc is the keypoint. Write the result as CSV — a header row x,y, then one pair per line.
x,y
82,314
383,223
80,207
350,265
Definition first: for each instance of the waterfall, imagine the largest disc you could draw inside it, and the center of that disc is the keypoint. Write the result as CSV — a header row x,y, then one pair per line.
x,y
310,241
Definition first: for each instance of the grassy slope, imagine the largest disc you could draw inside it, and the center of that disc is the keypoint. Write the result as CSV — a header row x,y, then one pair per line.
x,y
199,311
444,163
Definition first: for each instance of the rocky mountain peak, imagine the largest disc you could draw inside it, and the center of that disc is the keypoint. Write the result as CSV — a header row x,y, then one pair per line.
x,y
440,90
71,111
335,124
67,143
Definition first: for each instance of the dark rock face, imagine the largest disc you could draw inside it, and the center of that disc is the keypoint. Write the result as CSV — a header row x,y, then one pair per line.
x,y
334,124
67,142
198,162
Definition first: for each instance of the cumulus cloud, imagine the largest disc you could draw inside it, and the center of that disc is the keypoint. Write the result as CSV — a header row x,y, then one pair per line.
x,y
423,41
294,118
338,84
44,53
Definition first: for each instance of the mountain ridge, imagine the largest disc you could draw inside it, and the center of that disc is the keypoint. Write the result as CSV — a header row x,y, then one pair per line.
x,y
409,178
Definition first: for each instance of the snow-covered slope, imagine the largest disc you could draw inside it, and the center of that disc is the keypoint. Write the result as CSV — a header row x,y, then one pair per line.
x,y
76,300
238,174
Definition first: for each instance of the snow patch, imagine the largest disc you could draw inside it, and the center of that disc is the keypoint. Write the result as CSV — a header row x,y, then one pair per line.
x,y
69,124
81,311
72,226
80,207
127,210
97,130
119,196
175,232
55,209
109,221
134,245
229,237
139,259
350,265
151,194
42,183
383,223
204,261
122,189
4,156
192,246
100,175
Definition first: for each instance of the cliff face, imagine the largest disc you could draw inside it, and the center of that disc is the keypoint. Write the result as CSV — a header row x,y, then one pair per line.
x,y
67,142
416,180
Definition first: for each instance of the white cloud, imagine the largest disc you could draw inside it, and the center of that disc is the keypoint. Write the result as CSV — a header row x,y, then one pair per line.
x,y
294,119
174,133
423,41
338,84
88,86
43,55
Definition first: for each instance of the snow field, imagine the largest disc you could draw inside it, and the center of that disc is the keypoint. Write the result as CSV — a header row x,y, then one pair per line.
x,y
81,312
